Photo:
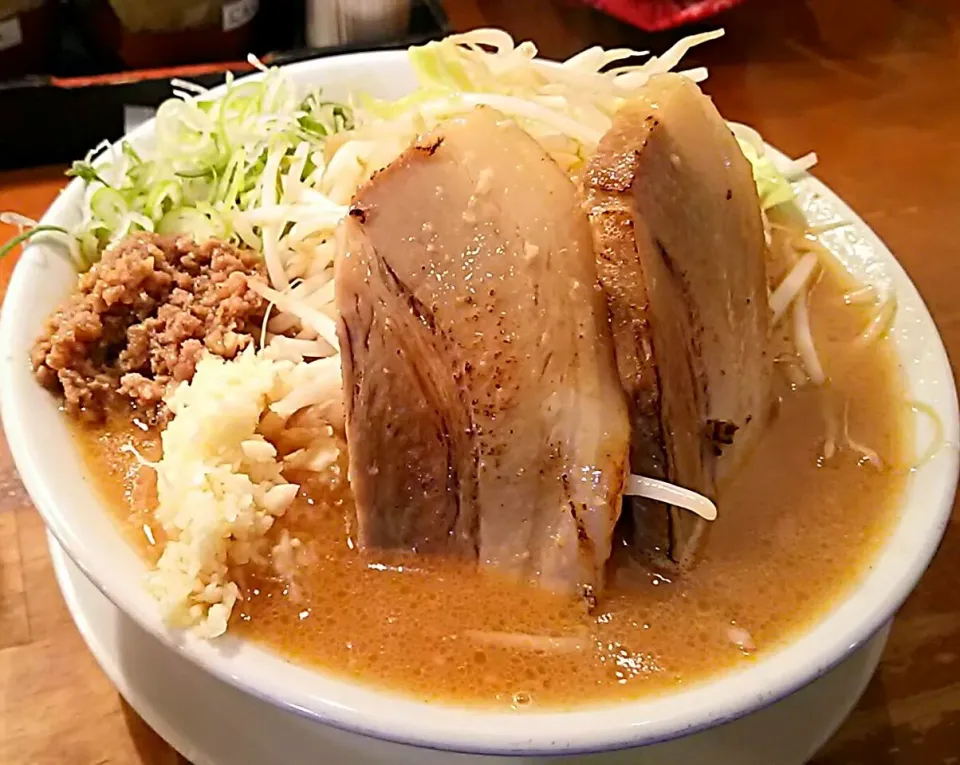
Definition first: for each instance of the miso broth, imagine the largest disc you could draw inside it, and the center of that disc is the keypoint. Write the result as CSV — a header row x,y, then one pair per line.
x,y
795,531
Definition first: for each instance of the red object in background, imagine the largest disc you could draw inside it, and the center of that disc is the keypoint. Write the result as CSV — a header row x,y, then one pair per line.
x,y
656,15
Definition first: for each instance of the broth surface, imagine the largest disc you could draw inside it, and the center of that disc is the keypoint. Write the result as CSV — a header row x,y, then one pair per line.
x,y
794,533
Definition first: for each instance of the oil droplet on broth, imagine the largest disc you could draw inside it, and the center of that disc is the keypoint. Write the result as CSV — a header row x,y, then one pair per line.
x,y
522,699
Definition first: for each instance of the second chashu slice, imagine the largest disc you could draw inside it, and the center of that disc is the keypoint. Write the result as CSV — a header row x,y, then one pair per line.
x,y
484,413
681,257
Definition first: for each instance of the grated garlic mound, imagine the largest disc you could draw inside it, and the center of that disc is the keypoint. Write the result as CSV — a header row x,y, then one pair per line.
x,y
219,482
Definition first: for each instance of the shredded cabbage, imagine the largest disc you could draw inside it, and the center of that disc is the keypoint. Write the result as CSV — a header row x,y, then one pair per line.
x,y
773,186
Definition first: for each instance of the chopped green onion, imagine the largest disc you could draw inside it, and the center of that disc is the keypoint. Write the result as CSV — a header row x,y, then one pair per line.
x,y
85,171
130,153
190,220
24,236
207,165
109,206
90,246
164,197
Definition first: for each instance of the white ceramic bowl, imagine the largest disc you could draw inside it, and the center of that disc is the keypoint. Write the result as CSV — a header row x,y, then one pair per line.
x,y
53,473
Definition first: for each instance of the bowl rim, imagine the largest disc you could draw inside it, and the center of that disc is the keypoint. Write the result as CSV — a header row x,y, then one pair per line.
x,y
856,615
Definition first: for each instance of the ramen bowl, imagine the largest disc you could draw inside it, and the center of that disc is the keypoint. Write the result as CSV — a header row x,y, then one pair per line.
x,y
56,479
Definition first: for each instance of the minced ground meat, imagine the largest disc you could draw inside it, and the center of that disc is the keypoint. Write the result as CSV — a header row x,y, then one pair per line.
x,y
141,318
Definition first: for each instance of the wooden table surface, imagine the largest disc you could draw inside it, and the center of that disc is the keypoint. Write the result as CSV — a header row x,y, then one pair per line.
x,y
874,87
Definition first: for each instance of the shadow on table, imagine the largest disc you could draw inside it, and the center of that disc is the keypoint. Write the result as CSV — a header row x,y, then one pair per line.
x,y
151,749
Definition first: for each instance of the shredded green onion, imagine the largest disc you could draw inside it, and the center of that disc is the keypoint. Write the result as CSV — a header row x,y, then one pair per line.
x,y
209,162
83,169
26,235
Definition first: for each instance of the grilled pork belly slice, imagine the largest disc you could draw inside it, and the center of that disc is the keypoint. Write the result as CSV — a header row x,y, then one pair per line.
x,y
681,257
484,412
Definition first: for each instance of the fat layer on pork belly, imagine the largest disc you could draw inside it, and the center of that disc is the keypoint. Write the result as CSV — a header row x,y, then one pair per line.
x,y
681,256
484,413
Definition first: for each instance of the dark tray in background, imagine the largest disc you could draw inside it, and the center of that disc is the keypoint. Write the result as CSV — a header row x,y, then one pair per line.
x,y
56,119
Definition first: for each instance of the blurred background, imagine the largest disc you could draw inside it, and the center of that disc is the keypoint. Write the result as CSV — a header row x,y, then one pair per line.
x,y
108,63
